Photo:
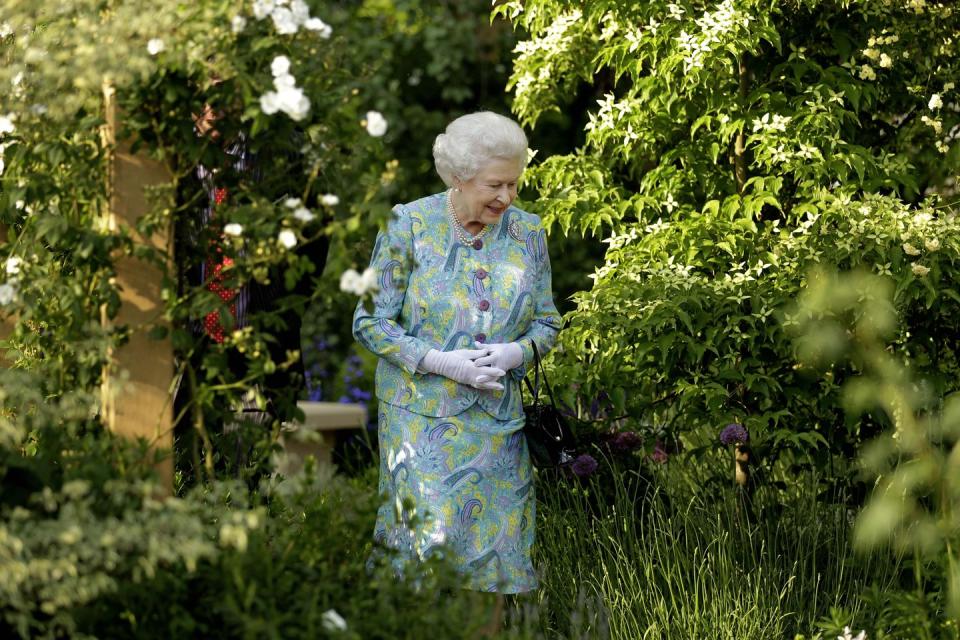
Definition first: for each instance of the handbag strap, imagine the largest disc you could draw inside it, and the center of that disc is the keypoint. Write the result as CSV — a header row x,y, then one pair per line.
x,y
535,387
538,371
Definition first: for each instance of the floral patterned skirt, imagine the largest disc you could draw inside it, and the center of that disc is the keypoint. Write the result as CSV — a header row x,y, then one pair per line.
x,y
469,482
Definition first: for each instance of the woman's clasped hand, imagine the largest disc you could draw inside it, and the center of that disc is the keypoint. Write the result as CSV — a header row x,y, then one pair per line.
x,y
461,365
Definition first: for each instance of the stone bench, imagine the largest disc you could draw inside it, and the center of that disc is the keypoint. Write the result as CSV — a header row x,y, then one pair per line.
x,y
324,423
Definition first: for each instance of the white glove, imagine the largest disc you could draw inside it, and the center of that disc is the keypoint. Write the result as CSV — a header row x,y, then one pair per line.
x,y
459,366
504,356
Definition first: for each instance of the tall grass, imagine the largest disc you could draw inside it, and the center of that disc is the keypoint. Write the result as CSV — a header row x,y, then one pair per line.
x,y
663,561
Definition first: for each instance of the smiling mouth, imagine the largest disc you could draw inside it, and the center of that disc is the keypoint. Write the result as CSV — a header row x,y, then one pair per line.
x,y
495,210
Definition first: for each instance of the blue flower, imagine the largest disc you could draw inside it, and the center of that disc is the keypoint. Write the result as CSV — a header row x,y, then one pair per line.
x,y
584,465
734,434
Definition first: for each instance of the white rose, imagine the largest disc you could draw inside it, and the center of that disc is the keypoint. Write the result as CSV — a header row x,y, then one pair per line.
x,y
5,30
284,22
8,293
376,124
13,265
919,269
287,238
155,46
303,214
333,621
329,200
931,245
270,103
300,11
935,101
293,102
284,81
238,24
262,8
280,66
368,281
6,124
351,282
292,203
233,229
885,61
322,28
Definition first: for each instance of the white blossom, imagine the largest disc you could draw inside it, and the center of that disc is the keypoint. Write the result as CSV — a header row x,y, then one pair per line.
x,y
284,81
376,124
292,203
238,24
919,269
262,8
333,621
358,284
867,73
350,282
287,238
322,28
6,124
885,61
284,21
670,204
269,103
233,229
935,102
910,250
300,11
293,102
280,66
13,265
848,635
233,536
8,293
155,46
932,244
368,280
329,200
5,30
303,214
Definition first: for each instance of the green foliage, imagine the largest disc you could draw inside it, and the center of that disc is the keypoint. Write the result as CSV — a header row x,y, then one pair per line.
x,y
733,146
165,64
914,505
666,559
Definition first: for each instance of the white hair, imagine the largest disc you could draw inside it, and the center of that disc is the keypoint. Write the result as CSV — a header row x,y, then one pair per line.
x,y
473,140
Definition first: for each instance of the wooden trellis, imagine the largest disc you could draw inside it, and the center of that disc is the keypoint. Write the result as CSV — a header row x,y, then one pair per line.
x,y
137,382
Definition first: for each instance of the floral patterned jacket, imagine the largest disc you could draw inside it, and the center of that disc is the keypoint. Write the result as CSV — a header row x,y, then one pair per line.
x,y
436,293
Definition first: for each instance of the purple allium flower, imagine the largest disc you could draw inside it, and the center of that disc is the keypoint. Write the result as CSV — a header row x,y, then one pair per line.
x,y
584,465
659,454
734,434
626,441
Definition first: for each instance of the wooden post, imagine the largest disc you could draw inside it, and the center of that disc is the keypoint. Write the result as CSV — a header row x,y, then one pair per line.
x,y
138,380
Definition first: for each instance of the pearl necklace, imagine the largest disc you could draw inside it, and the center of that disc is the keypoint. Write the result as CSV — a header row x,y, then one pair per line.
x,y
462,235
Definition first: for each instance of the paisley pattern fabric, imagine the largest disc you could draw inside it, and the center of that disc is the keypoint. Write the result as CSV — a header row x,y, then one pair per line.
x,y
457,455
436,293
469,481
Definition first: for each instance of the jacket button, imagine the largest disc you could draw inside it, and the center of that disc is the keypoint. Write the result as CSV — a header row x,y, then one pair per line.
x,y
478,244
483,305
480,337
481,274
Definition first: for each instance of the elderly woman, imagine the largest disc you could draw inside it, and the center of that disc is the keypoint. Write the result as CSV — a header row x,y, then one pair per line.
x,y
464,294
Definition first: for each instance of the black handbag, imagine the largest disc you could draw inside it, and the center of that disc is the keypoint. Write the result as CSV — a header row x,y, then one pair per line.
x,y
549,437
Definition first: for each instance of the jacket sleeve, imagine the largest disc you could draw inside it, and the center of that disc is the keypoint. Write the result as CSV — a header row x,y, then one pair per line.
x,y
377,328
546,321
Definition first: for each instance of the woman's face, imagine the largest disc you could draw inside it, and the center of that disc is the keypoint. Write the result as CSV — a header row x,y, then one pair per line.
x,y
485,196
